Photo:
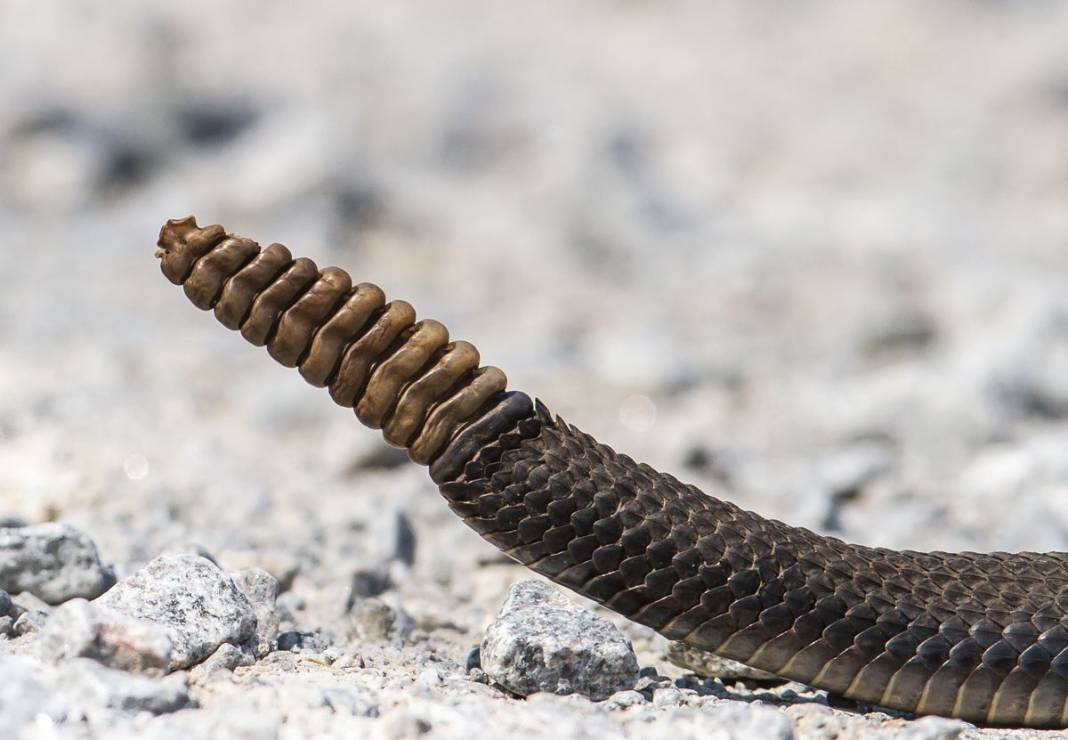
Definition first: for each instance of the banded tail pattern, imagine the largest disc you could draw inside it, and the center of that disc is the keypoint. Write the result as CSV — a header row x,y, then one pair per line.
x,y
983,637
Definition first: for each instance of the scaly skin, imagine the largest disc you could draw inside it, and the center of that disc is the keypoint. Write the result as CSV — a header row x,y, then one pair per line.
x,y
983,637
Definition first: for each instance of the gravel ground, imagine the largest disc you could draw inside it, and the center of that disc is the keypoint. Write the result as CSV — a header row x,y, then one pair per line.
x,y
810,257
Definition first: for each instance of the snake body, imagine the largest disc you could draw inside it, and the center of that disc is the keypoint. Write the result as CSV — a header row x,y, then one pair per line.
x,y
982,637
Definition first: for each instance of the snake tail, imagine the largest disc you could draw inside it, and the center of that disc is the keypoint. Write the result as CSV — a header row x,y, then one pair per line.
x,y
982,637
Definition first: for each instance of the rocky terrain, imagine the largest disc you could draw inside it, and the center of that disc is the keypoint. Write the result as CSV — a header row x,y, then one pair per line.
x,y
809,257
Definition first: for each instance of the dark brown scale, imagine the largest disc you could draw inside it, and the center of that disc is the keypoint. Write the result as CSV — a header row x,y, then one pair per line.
x,y
983,637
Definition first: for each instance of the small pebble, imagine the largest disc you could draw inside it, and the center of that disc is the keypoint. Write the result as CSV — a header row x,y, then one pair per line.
x,y
29,622
627,698
541,641
430,678
668,697
261,590
225,659
474,659
377,621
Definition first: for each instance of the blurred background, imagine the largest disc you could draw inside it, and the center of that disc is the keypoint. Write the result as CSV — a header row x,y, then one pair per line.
x,y
811,257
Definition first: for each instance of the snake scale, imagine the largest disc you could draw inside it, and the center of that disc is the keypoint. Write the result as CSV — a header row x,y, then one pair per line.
x,y
983,637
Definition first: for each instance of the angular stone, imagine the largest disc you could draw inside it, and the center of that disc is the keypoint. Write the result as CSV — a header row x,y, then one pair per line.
x,y
54,562
374,620
29,622
541,641
198,605
225,659
91,630
261,590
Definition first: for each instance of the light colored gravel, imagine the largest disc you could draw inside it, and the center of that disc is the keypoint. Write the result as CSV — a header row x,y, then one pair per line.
x,y
810,257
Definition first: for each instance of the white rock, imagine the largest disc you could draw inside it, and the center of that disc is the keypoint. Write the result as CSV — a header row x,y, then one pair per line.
x,y
629,698
375,620
87,685
261,590
91,630
197,604
226,658
541,641
55,562
29,622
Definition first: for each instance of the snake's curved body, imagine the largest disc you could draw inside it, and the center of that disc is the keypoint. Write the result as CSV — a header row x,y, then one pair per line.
x,y
983,637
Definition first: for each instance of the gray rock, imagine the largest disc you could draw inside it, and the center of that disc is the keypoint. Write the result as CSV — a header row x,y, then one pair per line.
x,y
226,658
261,590
55,562
624,699
197,604
710,665
649,685
818,721
315,641
541,641
668,697
9,612
91,630
377,621
88,684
